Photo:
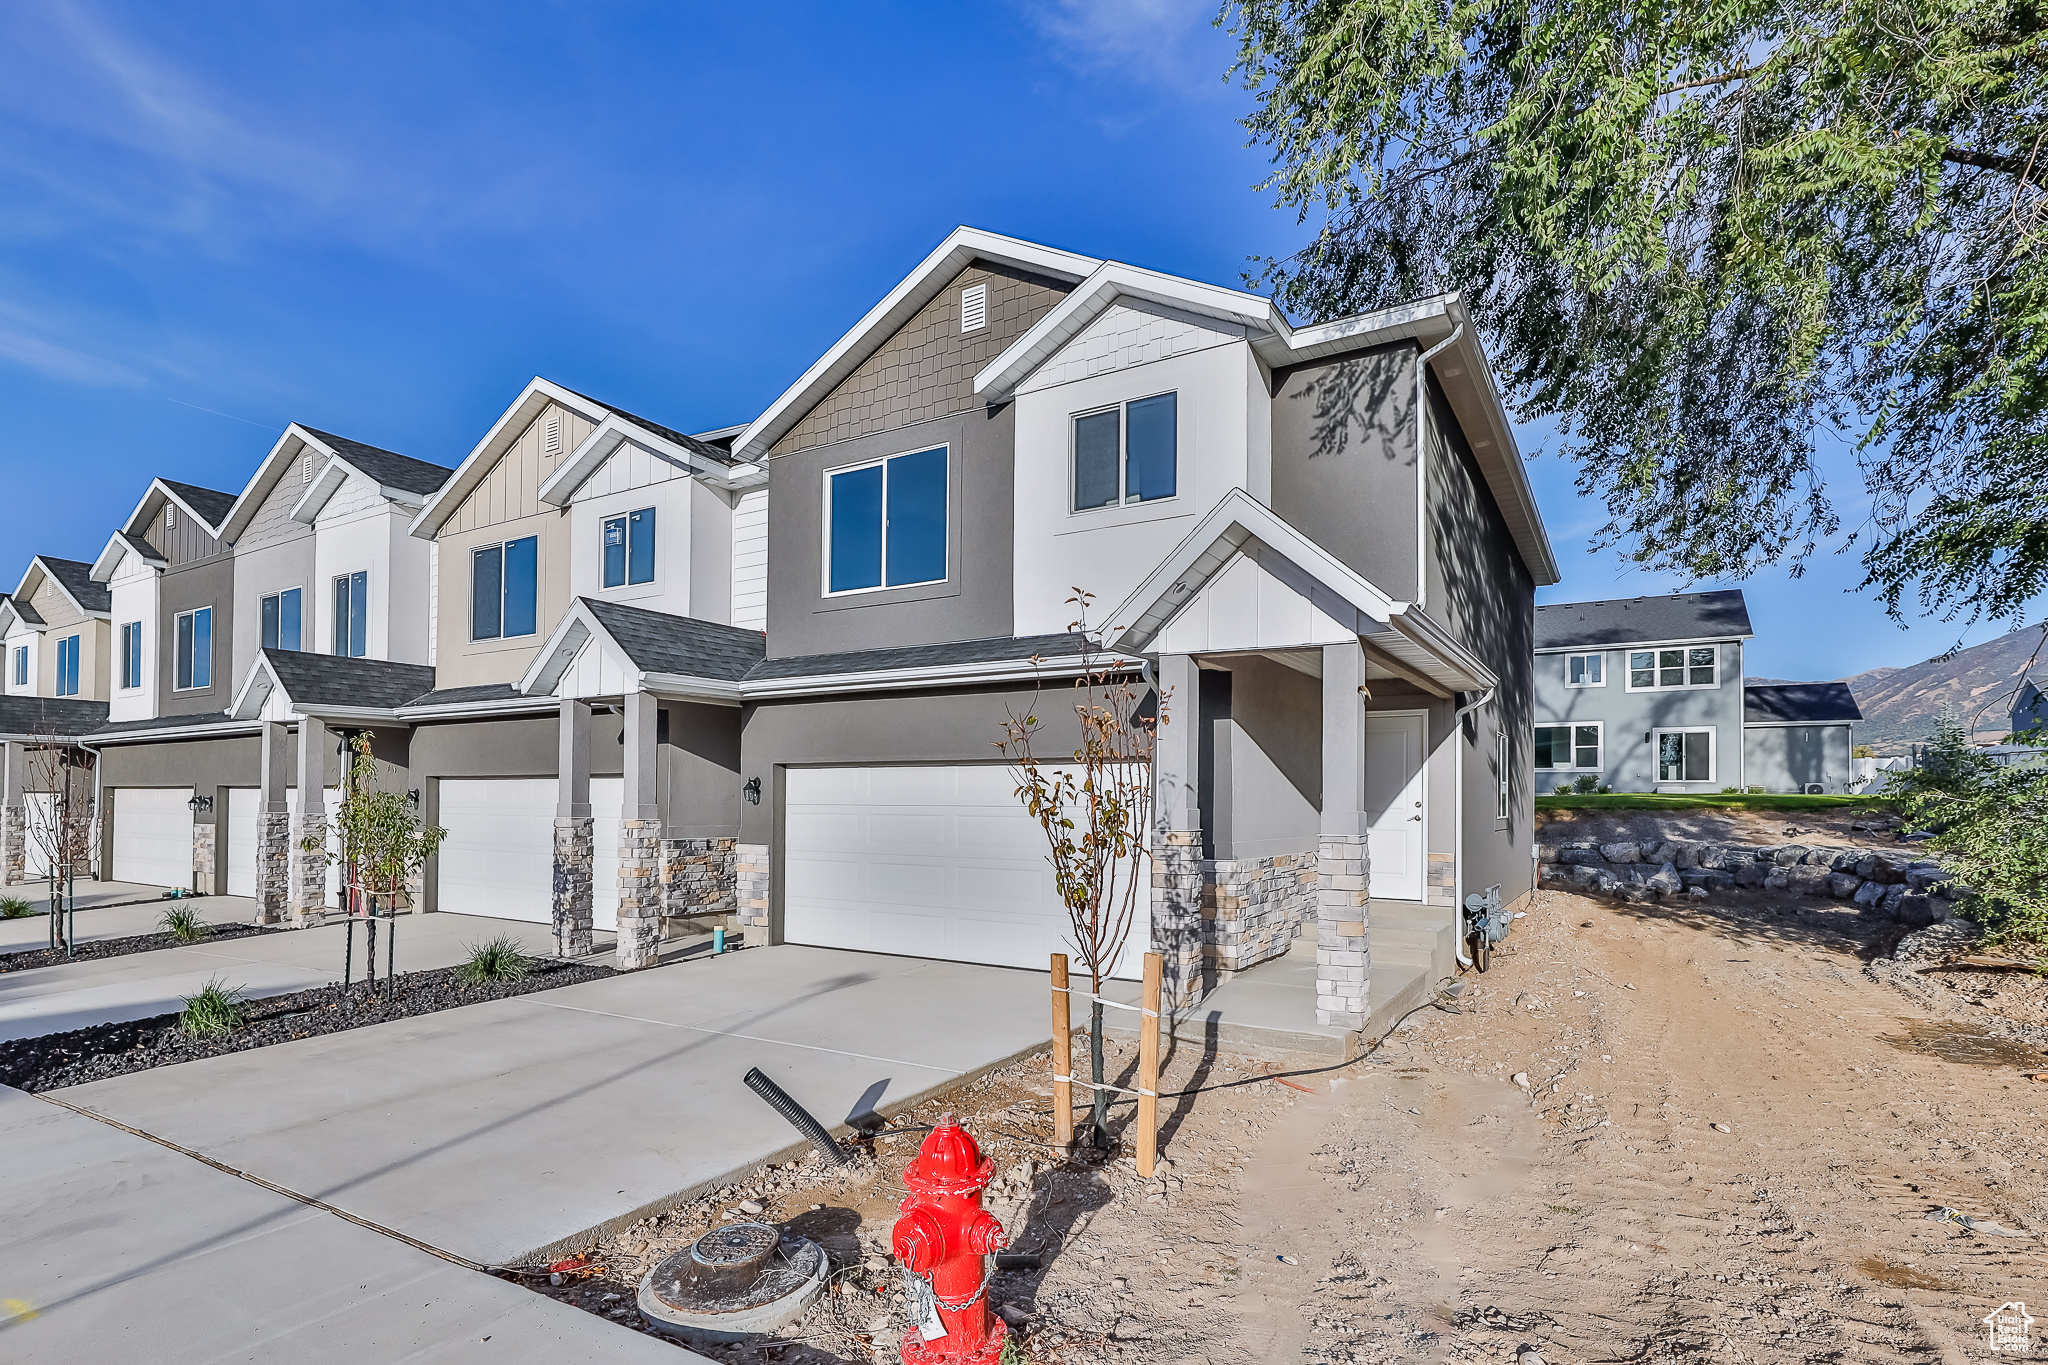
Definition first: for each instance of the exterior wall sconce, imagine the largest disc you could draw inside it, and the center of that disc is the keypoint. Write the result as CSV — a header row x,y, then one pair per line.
x,y
200,803
413,798
752,791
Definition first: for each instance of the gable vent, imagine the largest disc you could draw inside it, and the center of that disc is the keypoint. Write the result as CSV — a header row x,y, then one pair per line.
x,y
305,470
170,516
555,434
974,308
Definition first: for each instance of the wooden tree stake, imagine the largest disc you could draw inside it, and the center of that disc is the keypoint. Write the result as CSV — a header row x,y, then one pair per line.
x,y
1062,1059
1148,1067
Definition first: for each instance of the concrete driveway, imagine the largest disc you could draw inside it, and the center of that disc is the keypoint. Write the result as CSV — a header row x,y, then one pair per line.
x,y
503,1130
120,919
92,895
125,1251
75,994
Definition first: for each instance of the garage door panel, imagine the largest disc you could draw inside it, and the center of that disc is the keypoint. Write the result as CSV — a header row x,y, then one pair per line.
x,y
908,831
153,835
499,856
825,830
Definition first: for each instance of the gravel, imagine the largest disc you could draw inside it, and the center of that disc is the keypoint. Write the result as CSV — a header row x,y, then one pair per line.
x,y
121,947
92,1054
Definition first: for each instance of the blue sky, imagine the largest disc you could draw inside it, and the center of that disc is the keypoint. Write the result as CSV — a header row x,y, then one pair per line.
x,y
382,219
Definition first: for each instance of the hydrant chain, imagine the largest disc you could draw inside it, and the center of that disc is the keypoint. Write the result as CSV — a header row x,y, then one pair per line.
x,y
943,1241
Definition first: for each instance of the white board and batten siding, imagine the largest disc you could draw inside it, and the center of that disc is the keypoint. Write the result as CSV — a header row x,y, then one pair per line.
x,y
499,856
750,560
153,835
939,862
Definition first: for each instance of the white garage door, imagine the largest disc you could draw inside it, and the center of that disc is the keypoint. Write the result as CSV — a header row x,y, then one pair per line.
x,y
499,856
926,862
153,835
39,810
243,803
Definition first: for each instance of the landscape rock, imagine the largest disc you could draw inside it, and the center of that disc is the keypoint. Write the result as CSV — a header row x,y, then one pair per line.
x,y
1869,896
1708,879
1579,855
1846,859
1893,895
1621,853
1920,911
1888,868
1752,874
1842,885
1822,857
1925,876
1665,882
1808,880
1587,878
1553,872
1546,853
1788,855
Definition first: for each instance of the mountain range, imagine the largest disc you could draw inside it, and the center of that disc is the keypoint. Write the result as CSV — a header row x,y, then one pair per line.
x,y
1900,705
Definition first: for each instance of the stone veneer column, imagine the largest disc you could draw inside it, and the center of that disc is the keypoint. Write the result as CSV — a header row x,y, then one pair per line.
x,y
273,828
753,892
698,876
575,833
203,863
13,816
640,889
1343,960
1177,926
309,868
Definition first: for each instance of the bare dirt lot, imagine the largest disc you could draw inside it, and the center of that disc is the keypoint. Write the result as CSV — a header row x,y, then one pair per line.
x,y
1729,1140
1834,826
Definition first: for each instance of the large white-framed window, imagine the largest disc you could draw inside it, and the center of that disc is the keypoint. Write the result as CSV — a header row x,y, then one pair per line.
x,y
281,612
885,523
131,655
21,665
1128,453
1669,670
504,589
1684,755
67,666
193,668
628,540
1585,670
1575,747
352,614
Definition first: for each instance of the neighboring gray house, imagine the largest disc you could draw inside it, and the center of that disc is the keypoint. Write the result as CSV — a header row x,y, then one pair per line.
x,y
2029,709
1797,737
1644,694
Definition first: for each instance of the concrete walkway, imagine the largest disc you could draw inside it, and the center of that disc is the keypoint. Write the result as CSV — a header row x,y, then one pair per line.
x,y
502,1130
90,895
73,995
120,920
126,1251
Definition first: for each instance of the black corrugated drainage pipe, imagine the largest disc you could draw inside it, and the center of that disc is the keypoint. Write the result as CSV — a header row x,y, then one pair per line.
x,y
799,1117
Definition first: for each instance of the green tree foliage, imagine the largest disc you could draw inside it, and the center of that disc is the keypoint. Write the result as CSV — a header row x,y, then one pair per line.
x,y
1698,236
382,839
1990,826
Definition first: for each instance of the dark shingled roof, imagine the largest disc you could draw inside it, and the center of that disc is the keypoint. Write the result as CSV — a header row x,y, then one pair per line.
x,y
1815,702
386,466
77,580
332,680
662,643
687,442
211,719
996,649
210,503
455,696
65,716
28,614
1681,616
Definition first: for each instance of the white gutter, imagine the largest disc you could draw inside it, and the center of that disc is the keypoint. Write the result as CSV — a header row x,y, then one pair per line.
x,y
893,679
225,727
1422,462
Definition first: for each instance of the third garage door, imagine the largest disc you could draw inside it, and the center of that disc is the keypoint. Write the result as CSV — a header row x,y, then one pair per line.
x,y
499,856
928,862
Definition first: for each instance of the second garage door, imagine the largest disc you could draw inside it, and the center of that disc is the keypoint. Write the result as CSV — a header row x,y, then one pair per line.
x,y
927,862
153,835
499,856
243,803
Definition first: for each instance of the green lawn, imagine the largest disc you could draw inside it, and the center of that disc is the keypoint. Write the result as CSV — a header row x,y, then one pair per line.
x,y
1652,801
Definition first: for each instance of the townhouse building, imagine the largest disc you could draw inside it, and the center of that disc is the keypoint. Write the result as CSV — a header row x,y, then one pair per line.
x,y
55,643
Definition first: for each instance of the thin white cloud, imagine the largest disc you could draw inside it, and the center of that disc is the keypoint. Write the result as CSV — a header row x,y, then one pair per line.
x,y
1172,44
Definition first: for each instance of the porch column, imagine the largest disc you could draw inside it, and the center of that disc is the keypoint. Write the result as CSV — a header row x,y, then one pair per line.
x,y
1343,962
640,837
309,877
575,854
273,827
13,817
1177,850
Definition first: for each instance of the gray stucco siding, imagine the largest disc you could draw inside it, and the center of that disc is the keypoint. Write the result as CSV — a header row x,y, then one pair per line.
x,y
975,599
1261,765
1784,758
257,573
1344,465
207,583
1628,758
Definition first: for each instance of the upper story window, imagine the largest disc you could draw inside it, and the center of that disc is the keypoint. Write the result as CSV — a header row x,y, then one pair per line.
x,y
352,614
504,589
67,666
886,523
1657,670
629,548
1585,670
1128,453
21,665
194,668
281,620
131,654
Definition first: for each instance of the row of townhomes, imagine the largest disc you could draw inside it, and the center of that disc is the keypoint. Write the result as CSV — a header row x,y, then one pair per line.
x,y
640,674
1648,695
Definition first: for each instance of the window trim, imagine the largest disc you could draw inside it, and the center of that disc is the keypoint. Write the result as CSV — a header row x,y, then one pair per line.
x,y
1599,727
469,608
342,632
1628,668
20,666
626,543
825,588
1501,811
1712,732
1599,654
1122,407
278,597
131,655
192,661
68,645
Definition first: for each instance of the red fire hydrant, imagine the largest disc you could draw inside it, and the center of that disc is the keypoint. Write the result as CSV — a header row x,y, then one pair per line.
x,y
944,1238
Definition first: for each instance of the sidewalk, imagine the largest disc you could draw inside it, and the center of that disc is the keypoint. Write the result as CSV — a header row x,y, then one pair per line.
x,y
119,919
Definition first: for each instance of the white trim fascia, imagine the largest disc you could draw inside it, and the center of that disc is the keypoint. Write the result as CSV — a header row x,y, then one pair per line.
x,y
945,675
260,671
383,715
169,496
1095,295
560,487
459,710
222,728
282,456
1797,724
898,306
36,565
571,633
325,485
484,456
104,567
1644,644
685,687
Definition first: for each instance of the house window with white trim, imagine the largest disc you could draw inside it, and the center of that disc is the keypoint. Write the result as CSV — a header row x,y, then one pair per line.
x,y
1585,670
504,589
1685,755
1501,761
1126,454
194,650
21,665
1663,670
885,523
1568,746
629,548
352,614
131,655
280,611
67,666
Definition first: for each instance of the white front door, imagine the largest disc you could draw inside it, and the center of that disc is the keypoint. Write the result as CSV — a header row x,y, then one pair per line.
x,y
927,862
153,835
1394,743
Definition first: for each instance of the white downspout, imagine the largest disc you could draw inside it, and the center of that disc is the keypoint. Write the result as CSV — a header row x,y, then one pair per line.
x,y
1458,797
1422,465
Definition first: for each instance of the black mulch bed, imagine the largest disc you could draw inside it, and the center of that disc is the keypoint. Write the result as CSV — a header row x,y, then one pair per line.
x,y
121,947
93,1054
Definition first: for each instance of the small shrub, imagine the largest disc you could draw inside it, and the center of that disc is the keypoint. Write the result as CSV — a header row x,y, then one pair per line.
x,y
1754,791
183,924
214,1011
14,907
1587,784
1603,790
1731,791
495,959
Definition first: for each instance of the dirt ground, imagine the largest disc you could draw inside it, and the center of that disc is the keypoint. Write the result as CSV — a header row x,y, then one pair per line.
x,y
1729,1138
1834,826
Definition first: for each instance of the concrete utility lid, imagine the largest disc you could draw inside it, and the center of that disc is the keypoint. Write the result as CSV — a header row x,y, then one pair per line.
x,y
732,1283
